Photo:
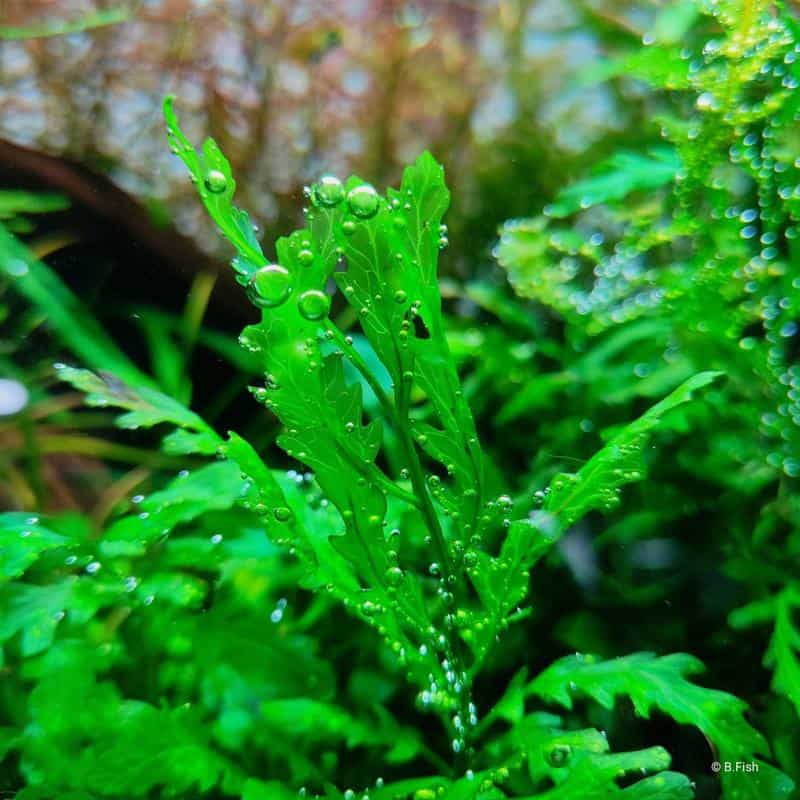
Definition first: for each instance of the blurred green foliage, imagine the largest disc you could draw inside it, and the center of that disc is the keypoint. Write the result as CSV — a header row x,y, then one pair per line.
x,y
680,257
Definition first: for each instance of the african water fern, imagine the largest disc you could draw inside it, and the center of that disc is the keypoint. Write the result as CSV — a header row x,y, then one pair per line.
x,y
416,540
401,519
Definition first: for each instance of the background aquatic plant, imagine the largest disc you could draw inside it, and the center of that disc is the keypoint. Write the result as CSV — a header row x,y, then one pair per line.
x,y
683,255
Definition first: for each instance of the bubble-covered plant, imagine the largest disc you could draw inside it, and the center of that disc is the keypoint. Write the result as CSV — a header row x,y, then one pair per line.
x,y
412,531
685,255
171,651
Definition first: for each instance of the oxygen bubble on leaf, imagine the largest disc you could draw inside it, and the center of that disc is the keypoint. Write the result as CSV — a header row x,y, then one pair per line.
x,y
282,514
271,285
505,502
314,304
706,102
305,257
394,576
369,608
328,192
215,181
363,201
791,466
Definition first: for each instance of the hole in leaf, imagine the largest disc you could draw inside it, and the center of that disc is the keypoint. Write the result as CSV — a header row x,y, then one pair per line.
x,y
420,329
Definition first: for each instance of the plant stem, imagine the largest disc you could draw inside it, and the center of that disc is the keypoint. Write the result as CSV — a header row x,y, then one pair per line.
x,y
403,393
372,473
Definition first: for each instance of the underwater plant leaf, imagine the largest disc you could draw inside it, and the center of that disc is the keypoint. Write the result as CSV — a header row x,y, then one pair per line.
x,y
216,186
89,21
661,683
23,538
290,518
617,177
314,722
16,201
34,612
255,789
502,581
183,442
658,67
596,485
30,614
594,776
88,732
783,653
389,249
213,487
176,755
579,763
65,314
550,749
146,408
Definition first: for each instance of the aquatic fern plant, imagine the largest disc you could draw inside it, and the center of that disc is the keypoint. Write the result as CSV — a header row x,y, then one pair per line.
x,y
418,539
170,650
